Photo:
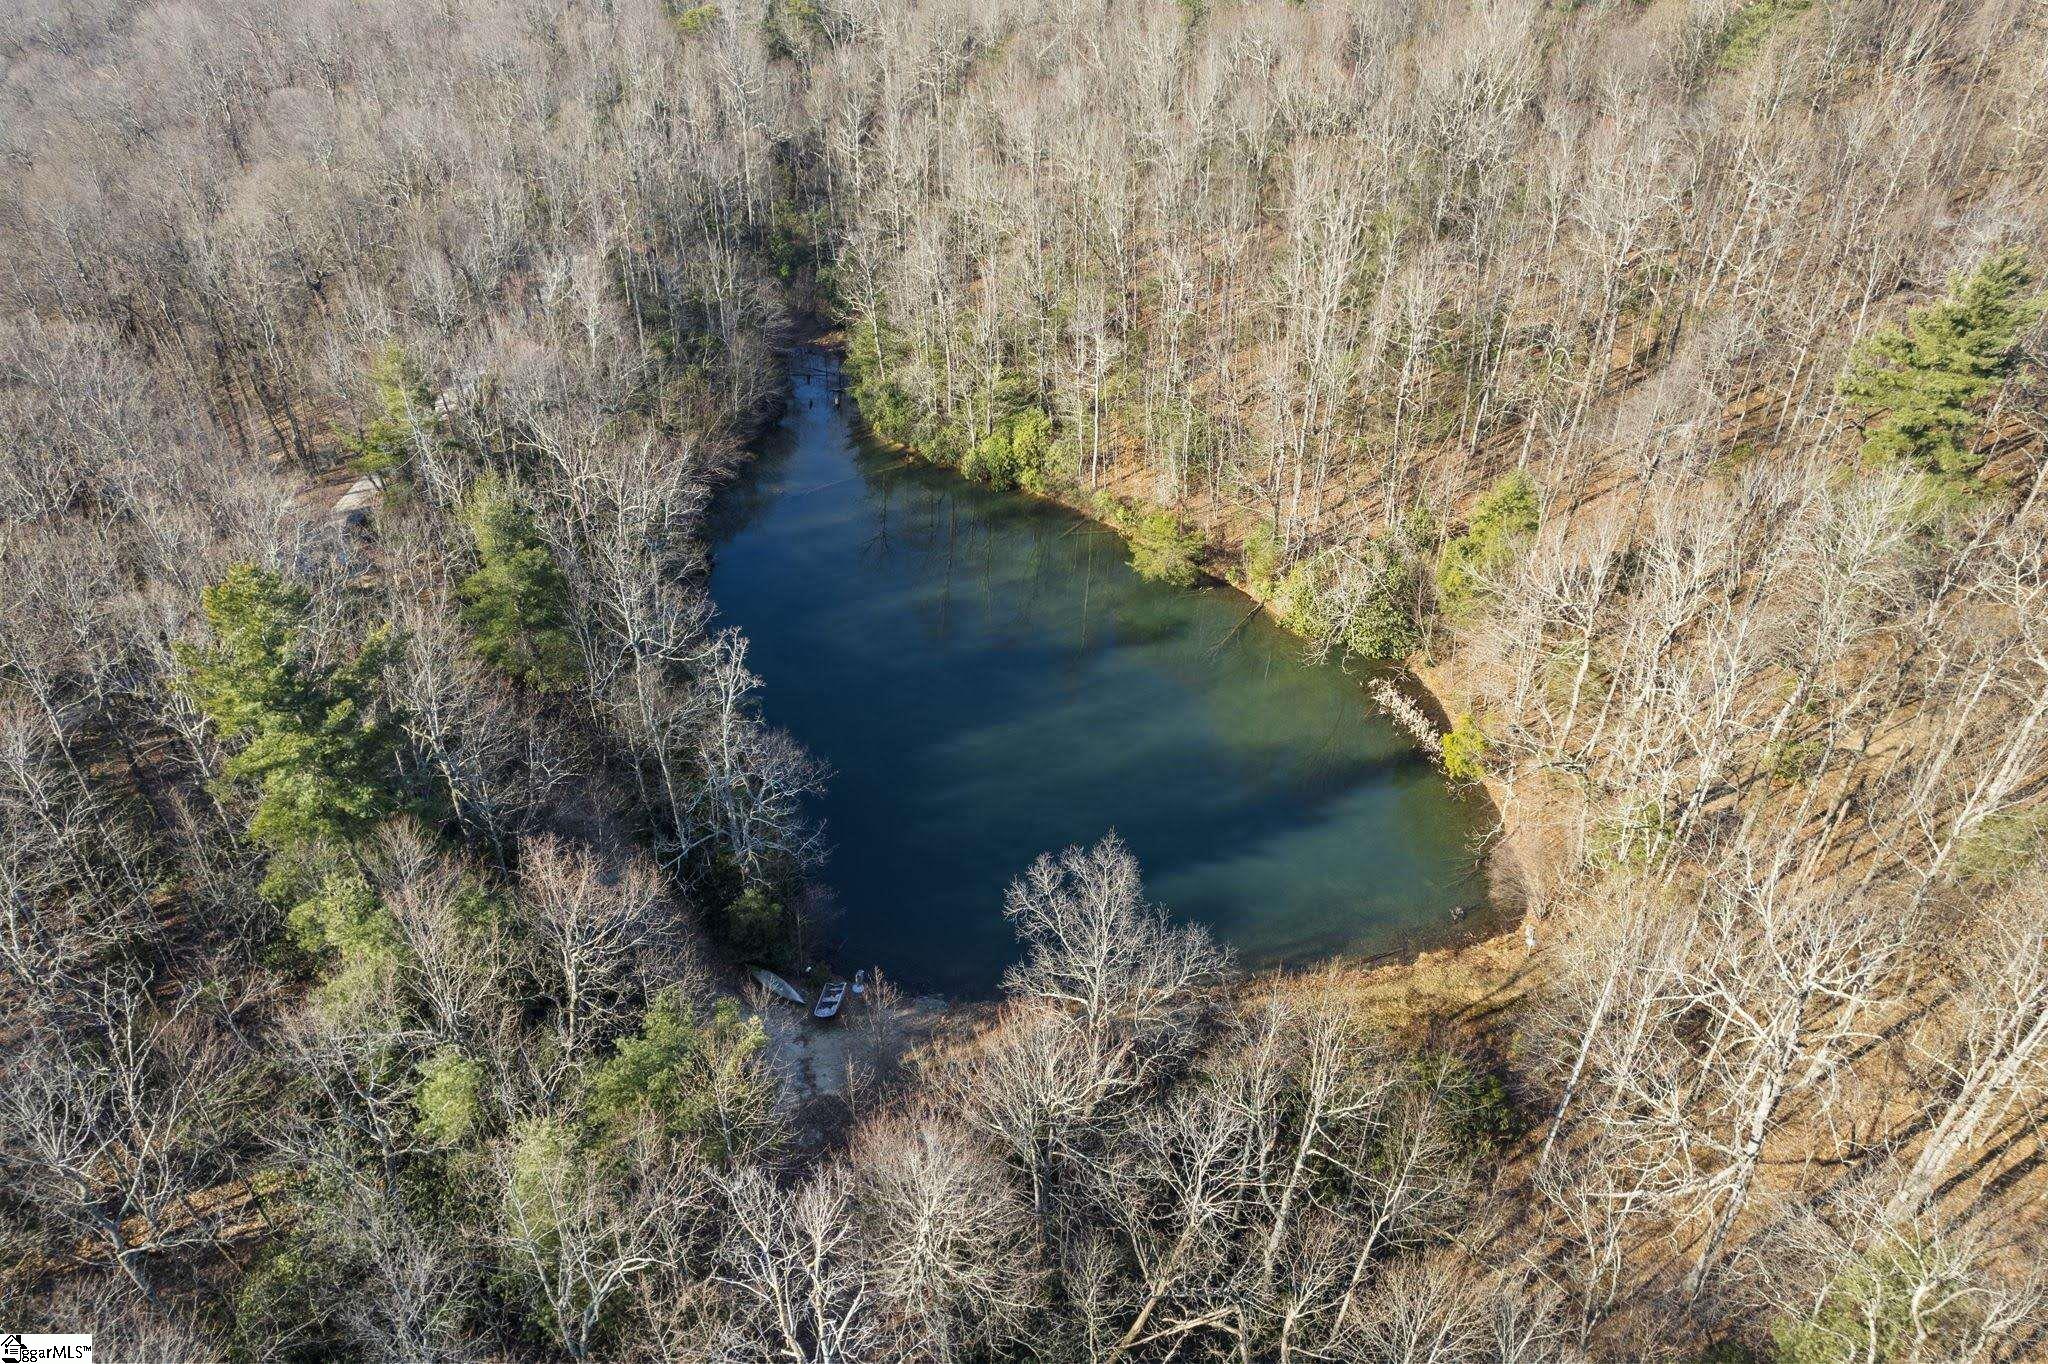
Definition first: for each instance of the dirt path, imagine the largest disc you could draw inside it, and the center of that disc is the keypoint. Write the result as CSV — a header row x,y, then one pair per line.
x,y
811,1057
867,1045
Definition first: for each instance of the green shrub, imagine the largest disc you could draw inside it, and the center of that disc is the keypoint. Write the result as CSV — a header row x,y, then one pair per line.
x,y
756,923
544,1161
450,1096
1163,551
1464,750
1301,605
1016,454
342,925
885,409
1382,627
285,1309
1502,522
2004,845
1474,1103
697,1074
692,20
1363,603
1261,561
1633,837
793,238
1745,30
343,918
1794,760
791,27
1895,1304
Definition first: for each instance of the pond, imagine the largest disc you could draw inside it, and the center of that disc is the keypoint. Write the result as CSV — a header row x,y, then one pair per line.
x,y
989,680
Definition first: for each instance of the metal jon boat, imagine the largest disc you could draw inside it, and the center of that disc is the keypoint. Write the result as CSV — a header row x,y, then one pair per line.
x,y
829,1000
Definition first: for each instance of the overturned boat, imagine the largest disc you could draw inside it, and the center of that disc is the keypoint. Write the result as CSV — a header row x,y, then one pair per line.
x,y
777,986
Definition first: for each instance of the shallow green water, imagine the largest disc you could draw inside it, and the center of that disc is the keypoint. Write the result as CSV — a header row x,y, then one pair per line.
x,y
989,680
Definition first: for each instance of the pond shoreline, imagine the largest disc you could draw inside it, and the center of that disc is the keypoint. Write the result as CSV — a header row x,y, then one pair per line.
x,y
1501,861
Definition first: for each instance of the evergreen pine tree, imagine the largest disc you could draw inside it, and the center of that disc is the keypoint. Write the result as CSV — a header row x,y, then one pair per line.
x,y
311,741
516,604
1920,383
1502,522
406,411
693,1070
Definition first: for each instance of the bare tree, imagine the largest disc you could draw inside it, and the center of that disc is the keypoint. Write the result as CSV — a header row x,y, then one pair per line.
x,y
947,1235
580,1241
411,1306
749,784
1171,1189
1788,982
457,959
108,1133
590,919
1994,1055
1846,1281
790,1261
108,1310
1098,951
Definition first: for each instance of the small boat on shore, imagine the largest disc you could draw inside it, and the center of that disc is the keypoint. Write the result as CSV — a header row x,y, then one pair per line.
x,y
829,1000
777,986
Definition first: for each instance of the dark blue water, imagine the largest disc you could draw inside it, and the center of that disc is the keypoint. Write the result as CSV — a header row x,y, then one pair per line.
x,y
989,681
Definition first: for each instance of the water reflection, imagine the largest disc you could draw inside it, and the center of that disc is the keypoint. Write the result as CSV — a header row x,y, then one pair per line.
x,y
989,680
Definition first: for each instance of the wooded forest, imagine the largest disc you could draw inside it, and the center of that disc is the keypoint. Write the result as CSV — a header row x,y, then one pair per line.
x,y
385,809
